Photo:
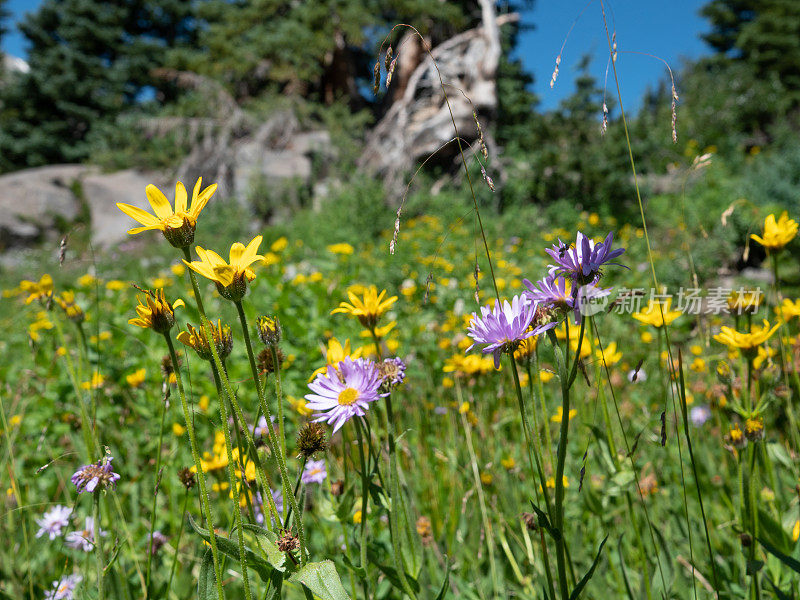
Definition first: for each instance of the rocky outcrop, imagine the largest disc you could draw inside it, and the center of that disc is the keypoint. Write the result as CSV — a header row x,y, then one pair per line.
x,y
41,204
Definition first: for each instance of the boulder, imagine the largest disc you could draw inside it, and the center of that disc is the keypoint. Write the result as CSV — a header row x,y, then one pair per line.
x,y
36,204
41,204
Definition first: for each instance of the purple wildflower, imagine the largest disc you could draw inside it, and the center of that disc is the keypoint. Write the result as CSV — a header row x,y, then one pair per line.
x,y
346,393
699,415
63,589
583,261
555,292
314,472
53,521
502,328
393,372
158,540
84,539
261,429
258,504
89,476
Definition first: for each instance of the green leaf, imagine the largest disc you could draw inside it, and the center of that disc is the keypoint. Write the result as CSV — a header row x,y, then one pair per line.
x,y
230,549
322,579
790,562
582,583
544,522
267,542
359,572
446,583
393,576
207,581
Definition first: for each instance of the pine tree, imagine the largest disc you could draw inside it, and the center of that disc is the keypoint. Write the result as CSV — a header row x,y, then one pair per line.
x,y
318,49
727,18
89,60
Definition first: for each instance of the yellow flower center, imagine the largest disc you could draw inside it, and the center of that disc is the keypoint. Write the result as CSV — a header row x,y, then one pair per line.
x,y
347,396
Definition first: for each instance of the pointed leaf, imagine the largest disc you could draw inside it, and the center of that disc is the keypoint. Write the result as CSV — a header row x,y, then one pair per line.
x,y
231,549
207,581
322,579
790,562
446,583
582,583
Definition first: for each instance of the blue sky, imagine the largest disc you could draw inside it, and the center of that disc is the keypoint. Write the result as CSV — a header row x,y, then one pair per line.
x,y
669,29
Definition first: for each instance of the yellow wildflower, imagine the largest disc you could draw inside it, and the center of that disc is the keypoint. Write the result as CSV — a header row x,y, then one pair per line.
x,y
280,244
156,313
696,349
136,378
698,365
486,478
177,225
559,416
87,280
95,382
299,404
609,354
368,308
764,355
777,233
115,285
41,290
67,302
546,375
647,337
788,309
796,531
178,269
652,315
178,429
15,420
508,463
231,277
203,402
357,517
343,248
746,341
336,353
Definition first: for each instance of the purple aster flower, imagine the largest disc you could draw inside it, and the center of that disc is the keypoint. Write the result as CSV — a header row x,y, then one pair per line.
x,y
261,429
699,415
84,539
583,261
345,393
63,589
502,328
158,540
89,476
53,520
314,472
393,372
258,504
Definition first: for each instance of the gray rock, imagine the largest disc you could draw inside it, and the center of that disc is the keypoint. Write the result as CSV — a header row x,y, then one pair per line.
x,y
37,203
102,191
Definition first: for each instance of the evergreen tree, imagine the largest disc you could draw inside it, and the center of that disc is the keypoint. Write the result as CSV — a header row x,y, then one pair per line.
x,y
727,18
318,49
89,60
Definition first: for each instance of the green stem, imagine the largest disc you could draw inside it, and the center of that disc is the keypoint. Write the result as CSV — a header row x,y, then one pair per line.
x,y
279,395
487,525
237,513
201,477
98,542
364,504
275,447
155,496
177,544
531,454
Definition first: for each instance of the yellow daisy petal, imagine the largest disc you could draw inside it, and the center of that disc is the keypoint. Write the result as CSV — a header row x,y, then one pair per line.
x,y
180,198
159,202
134,212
